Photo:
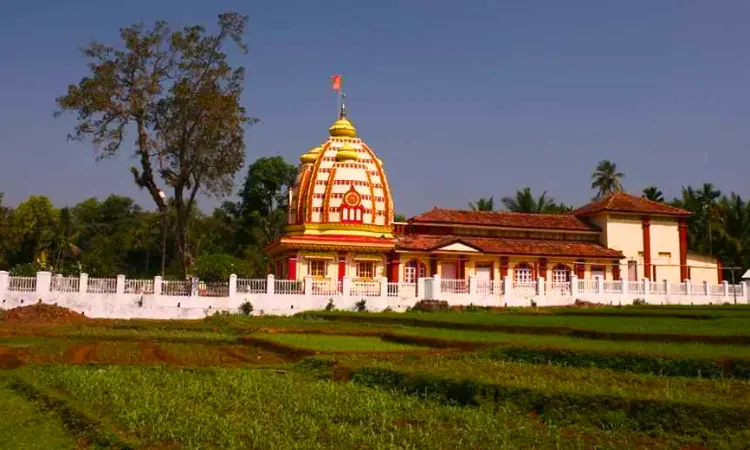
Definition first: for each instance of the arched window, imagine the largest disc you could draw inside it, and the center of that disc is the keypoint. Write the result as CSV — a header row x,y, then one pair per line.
x,y
522,274
414,270
561,274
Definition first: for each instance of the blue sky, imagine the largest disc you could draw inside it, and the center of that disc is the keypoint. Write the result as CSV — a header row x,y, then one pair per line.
x,y
460,99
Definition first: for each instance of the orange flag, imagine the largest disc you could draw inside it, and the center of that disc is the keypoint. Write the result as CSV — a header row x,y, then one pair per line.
x,y
336,82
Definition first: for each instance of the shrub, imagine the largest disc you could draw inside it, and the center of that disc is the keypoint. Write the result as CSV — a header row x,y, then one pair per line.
x,y
26,270
246,308
330,306
361,306
639,301
430,306
219,266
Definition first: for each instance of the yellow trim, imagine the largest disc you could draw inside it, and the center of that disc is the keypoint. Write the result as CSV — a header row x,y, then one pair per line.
x,y
336,229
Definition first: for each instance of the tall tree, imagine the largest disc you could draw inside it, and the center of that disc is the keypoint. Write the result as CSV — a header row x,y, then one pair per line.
x,y
653,193
606,179
181,96
483,204
525,202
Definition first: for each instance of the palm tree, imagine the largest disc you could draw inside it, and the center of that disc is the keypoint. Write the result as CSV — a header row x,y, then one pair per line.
x,y
606,179
653,193
707,196
524,202
483,204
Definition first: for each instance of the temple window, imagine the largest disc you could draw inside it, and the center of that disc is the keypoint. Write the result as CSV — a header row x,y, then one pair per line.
x,y
522,274
316,268
365,269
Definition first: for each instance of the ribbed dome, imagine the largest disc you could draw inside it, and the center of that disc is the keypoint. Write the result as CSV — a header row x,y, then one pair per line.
x,y
347,152
342,128
311,156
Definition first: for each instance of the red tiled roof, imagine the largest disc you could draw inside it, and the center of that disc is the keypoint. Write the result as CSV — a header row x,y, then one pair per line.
x,y
626,203
509,246
503,219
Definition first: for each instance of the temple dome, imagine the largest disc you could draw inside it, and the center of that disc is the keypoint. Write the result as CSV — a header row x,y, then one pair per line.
x,y
342,128
341,188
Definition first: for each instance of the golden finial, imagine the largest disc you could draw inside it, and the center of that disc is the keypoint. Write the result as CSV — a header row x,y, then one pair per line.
x,y
347,152
311,156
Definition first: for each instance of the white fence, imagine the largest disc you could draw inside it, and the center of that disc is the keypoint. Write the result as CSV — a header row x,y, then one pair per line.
x,y
189,299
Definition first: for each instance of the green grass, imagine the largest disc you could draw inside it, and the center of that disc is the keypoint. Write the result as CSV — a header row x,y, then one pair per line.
x,y
722,326
335,343
685,350
219,408
25,425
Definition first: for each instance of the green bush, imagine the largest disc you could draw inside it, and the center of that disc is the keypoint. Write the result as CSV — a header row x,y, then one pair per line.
x,y
26,270
361,306
330,306
218,267
246,308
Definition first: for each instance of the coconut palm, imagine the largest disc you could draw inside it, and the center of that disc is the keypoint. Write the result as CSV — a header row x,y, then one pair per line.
x,y
483,204
653,193
606,179
525,202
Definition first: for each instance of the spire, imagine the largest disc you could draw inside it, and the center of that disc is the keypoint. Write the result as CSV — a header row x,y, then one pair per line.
x,y
342,112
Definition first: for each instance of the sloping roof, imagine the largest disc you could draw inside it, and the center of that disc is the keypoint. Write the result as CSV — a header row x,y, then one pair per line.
x,y
626,203
509,246
503,219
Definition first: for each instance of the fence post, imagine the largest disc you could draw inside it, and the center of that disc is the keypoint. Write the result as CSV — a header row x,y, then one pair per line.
x,y
625,286
120,288
507,288
421,286
707,287
157,285
540,287
688,290
599,280
43,280
646,289
383,288
232,285
270,284
4,280
436,287
308,286
83,283
667,287
346,287
725,288
573,286
473,288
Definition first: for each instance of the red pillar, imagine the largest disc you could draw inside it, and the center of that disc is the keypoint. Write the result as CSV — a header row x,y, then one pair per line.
x,y
543,267
720,271
342,265
581,268
461,268
503,266
616,270
393,263
646,226
684,275
433,266
292,268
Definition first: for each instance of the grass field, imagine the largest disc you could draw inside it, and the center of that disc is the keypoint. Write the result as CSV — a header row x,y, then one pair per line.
x,y
511,379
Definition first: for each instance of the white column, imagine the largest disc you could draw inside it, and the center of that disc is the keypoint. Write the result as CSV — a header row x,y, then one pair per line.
x,y
507,288
83,283
667,287
270,284
436,287
599,280
473,286
706,287
725,288
540,287
120,288
43,280
232,285
574,286
688,289
646,288
625,286
4,280
422,288
308,285
157,285
383,288
346,286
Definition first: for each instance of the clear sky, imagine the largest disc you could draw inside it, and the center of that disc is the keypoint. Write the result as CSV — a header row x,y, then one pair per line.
x,y
460,99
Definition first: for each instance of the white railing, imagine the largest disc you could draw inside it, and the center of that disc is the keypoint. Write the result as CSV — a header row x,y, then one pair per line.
x,y
22,284
657,287
678,288
176,287
698,289
557,288
102,285
454,286
365,289
735,289
324,286
406,290
612,286
213,289
289,287
525,288
484,287
717,289
252,286
65,284
144,287
586,286
636,287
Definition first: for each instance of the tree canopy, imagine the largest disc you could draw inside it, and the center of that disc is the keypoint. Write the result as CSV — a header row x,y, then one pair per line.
x,y
606,179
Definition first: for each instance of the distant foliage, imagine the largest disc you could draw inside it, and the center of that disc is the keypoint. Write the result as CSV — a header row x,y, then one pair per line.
x,y
218,267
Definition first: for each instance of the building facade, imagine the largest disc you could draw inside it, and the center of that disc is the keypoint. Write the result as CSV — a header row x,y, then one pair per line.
x,y
341,224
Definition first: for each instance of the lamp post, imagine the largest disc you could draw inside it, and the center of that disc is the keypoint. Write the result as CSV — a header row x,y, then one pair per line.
x,y
163,233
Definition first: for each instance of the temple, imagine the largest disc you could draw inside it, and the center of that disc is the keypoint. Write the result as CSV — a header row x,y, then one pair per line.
x,y
341,224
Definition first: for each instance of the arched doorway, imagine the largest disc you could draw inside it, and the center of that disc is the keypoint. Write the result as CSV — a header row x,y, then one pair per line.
x,y
561,276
